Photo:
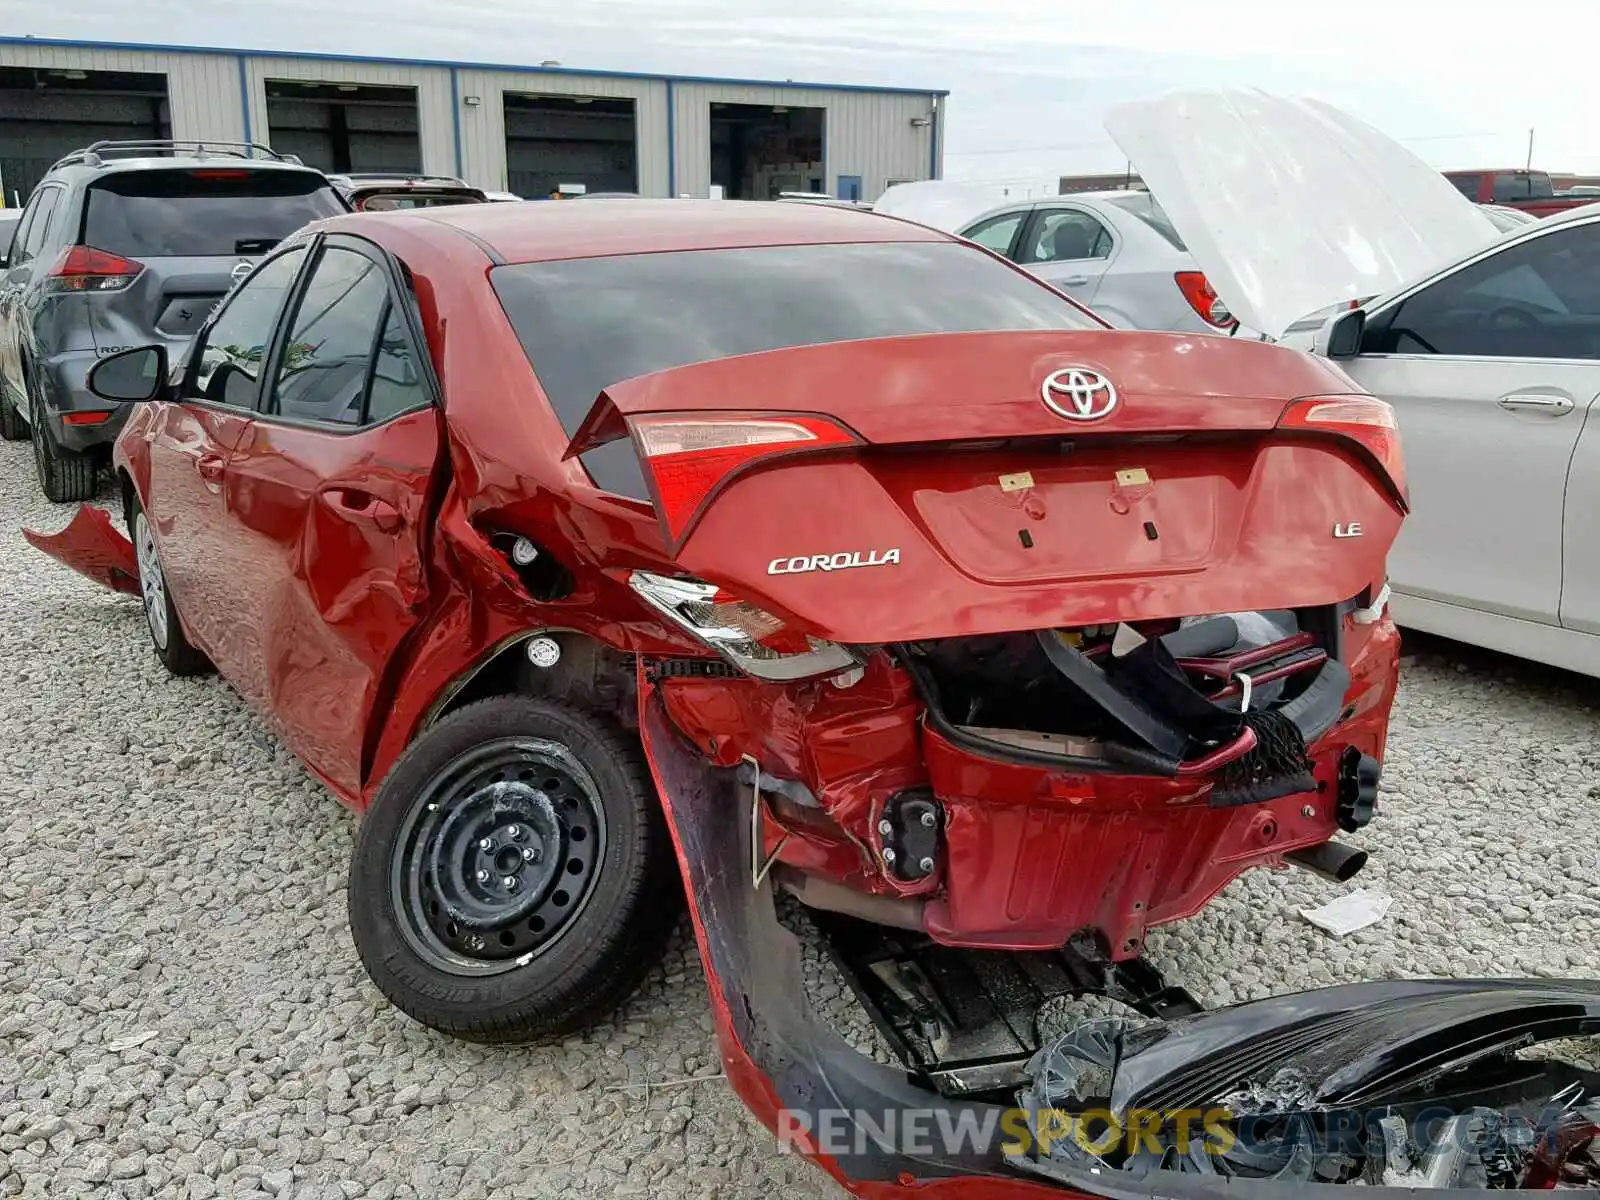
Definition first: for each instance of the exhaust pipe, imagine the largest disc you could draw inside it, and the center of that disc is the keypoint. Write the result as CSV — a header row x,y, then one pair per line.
x,y
835,897
1333,861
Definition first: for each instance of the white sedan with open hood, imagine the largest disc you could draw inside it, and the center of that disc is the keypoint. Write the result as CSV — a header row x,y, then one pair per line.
x,y
1486,344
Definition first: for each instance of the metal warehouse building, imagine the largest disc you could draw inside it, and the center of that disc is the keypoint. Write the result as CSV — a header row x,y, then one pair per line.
x,y
504,128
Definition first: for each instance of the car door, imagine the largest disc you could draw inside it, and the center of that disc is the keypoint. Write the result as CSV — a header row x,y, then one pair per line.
x,y
1068,247
329,502
21,268
189,444
1492,369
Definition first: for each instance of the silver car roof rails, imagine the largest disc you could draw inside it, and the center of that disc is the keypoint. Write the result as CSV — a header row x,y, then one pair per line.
x,y
96,154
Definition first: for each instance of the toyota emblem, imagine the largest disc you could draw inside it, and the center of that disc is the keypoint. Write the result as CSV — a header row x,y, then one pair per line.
x,y
1078,394
240,270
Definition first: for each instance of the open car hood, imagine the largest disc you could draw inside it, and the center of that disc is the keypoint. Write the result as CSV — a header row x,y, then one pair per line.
x,y
1291,206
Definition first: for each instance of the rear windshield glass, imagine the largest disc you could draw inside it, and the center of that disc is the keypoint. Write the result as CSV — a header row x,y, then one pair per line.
x,y
393,201
203,212
1143,205
588,323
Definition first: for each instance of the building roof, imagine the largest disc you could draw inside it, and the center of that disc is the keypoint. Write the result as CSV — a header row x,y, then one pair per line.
x,y
544,231
456,65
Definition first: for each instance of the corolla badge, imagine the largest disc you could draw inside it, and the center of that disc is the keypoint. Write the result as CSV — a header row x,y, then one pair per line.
x,y
842,561
1078,394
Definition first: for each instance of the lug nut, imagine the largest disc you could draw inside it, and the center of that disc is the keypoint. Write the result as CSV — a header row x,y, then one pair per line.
x,y
1309,810
926,865
474,941
929,820
486,845
888,854
510,883
885,828
516,833
483,876
529,854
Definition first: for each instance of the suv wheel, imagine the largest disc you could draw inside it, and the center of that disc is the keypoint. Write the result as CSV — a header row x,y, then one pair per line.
x,y
13,428
514,880
65,475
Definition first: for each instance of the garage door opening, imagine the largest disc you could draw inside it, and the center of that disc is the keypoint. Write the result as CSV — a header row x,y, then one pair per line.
x,y
588,140
45,114
759,150
344,127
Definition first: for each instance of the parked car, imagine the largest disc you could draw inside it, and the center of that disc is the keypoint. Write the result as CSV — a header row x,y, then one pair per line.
x,y
687,563
1506,219
378,191
1117,252
1487,348
1530,191
502,197
123,244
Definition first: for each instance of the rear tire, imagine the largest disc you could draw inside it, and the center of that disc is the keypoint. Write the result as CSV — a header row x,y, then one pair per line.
x,y
545,946
64,475
160,614
13,428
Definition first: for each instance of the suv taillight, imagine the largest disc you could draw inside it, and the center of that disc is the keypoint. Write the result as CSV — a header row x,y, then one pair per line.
x,y
85,269
1365,420
1202,297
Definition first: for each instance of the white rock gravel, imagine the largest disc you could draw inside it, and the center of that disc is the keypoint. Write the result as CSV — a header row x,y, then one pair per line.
x,y
182,1014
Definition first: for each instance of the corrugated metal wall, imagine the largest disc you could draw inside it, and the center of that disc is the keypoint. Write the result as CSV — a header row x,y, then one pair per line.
x,y
868,134
483,125
203,89
435,107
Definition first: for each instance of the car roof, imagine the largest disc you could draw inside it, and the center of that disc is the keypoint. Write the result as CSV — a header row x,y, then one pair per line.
x,y
167,162
519,233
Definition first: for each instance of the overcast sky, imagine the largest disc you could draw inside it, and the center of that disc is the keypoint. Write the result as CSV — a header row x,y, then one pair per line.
x,y
1030,79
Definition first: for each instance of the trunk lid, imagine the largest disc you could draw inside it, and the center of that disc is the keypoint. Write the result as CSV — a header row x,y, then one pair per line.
x,y
957,501
1290,205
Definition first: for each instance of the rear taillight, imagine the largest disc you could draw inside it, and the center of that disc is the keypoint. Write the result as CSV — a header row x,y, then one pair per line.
x,y
1197,290
1365,420
85,269
751,638
689,457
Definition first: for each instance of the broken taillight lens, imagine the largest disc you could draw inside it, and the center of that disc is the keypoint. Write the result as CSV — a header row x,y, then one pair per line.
x,y
1365,420
751,638
688,457
1202,297
85,269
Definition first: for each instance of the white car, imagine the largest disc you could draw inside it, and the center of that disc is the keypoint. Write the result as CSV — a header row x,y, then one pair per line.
x,y
1114,252
1487,345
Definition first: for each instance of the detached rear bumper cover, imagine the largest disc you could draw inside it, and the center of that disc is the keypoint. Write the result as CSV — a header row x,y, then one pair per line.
x,y
91,545
800,1078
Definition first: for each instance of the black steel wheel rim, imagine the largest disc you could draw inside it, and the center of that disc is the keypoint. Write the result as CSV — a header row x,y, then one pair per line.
x,y
497,856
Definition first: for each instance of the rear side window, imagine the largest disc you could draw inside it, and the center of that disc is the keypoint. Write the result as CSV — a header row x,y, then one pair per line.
x,y
203,213
588,323
1467,185
1143,205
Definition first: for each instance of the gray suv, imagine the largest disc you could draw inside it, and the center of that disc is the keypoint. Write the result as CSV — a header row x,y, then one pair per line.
x,y
125,244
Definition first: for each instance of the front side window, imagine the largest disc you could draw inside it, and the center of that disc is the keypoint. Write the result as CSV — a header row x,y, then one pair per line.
x,y
322,369
1467,185
1539,298
588,323
231,349
997,233
1065,235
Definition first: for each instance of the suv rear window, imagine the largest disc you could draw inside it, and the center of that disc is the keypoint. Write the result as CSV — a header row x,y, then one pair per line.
x,y
395,201
1143,205
590,322
204,212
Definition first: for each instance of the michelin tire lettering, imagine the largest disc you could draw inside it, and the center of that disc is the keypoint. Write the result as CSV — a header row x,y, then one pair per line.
x,y
844,560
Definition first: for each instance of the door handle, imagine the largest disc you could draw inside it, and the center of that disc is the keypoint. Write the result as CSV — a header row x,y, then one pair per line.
x,y
1075,280
211,466
1550,406
356,505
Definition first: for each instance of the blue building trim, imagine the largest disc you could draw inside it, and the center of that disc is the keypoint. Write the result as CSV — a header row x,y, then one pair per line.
x,y
239,52
455,117
672,142
244,94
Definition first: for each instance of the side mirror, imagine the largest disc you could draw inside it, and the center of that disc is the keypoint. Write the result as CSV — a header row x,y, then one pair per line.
x,y
130,376
1340,336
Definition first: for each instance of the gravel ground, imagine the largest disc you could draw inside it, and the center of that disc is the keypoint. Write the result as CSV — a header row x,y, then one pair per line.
x,y
182,1014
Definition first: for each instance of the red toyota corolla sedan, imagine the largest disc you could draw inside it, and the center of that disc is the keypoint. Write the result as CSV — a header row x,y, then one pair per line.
x,y
600,553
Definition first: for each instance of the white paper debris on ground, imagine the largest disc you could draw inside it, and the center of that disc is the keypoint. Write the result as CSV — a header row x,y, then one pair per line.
x,y
130,1041
1357,910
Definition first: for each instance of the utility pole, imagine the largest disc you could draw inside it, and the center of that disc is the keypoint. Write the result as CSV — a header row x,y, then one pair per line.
x,y
1529,165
